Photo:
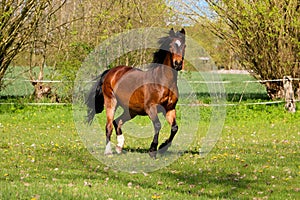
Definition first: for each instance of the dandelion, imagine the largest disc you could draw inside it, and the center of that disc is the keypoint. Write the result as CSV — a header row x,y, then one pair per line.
x,y
155,196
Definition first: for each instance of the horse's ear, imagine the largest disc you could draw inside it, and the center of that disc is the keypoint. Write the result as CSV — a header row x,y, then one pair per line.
x,y
182,31
172,33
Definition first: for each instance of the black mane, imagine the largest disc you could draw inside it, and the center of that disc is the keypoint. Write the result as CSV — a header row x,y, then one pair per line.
x,y
160,55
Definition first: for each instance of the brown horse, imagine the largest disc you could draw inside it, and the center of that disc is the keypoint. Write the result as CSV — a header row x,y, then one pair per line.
x,y
141,93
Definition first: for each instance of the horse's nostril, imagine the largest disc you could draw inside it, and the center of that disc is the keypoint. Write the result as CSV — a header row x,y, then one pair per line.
x,y
178,62
178,65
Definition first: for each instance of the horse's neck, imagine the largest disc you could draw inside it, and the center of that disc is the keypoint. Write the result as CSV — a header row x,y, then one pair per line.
x,y
168,71
169,74
164,73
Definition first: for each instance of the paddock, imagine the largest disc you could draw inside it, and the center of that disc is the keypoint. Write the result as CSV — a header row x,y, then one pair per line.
x,y
256,156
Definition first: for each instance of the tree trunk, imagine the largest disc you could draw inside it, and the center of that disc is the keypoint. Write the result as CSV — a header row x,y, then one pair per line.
x,y
289,94
275,90
298,92
41,90
3,68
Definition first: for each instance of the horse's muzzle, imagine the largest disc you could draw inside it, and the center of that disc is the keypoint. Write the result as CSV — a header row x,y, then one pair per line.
x,y
178,65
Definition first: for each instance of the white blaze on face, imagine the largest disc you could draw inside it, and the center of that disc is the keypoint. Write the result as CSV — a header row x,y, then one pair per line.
x,y
178,43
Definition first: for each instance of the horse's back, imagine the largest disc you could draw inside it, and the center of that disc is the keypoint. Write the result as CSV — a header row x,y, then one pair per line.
x,y
120,82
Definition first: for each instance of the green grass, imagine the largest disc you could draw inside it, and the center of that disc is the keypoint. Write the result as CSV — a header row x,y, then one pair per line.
x,y
257,157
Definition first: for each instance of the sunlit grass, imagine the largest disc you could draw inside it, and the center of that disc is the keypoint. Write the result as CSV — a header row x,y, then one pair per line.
x,y
257,157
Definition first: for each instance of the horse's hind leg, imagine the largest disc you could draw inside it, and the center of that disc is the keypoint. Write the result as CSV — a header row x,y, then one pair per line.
x,y
110,104
171,118
118,124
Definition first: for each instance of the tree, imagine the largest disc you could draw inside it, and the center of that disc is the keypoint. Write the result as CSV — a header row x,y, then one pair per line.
x,y
39,45
214,46
263,34
65,32
88,24
18,21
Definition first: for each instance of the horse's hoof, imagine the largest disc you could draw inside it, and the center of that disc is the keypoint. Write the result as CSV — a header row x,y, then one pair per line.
x,y
108,150
118,150
164,147
108,153
152,154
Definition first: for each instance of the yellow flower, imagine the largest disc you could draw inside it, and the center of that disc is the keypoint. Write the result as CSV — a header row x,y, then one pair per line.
x,y
156,196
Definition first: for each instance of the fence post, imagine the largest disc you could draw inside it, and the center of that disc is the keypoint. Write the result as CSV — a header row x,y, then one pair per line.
x,y
298,91
289,94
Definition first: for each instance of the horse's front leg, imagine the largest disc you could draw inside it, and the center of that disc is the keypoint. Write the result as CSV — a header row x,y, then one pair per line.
x,y
157,126
171,118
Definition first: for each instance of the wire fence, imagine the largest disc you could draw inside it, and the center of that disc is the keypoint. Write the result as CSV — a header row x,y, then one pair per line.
x,y
203,82
238,92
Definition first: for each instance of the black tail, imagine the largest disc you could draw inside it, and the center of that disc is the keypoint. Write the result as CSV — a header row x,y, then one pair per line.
x,y
95,99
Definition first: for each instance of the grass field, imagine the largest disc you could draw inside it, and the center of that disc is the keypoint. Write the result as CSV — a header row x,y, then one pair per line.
x,y
256,157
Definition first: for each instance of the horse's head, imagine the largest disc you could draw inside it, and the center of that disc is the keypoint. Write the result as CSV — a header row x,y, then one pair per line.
x,y
177,48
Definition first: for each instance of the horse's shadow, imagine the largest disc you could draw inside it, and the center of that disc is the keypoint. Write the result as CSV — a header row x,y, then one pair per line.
x,y
163,153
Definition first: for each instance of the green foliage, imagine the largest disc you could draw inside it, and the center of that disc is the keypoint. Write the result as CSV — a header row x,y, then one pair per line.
x,y
69,31
67,68
214,46
114,17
